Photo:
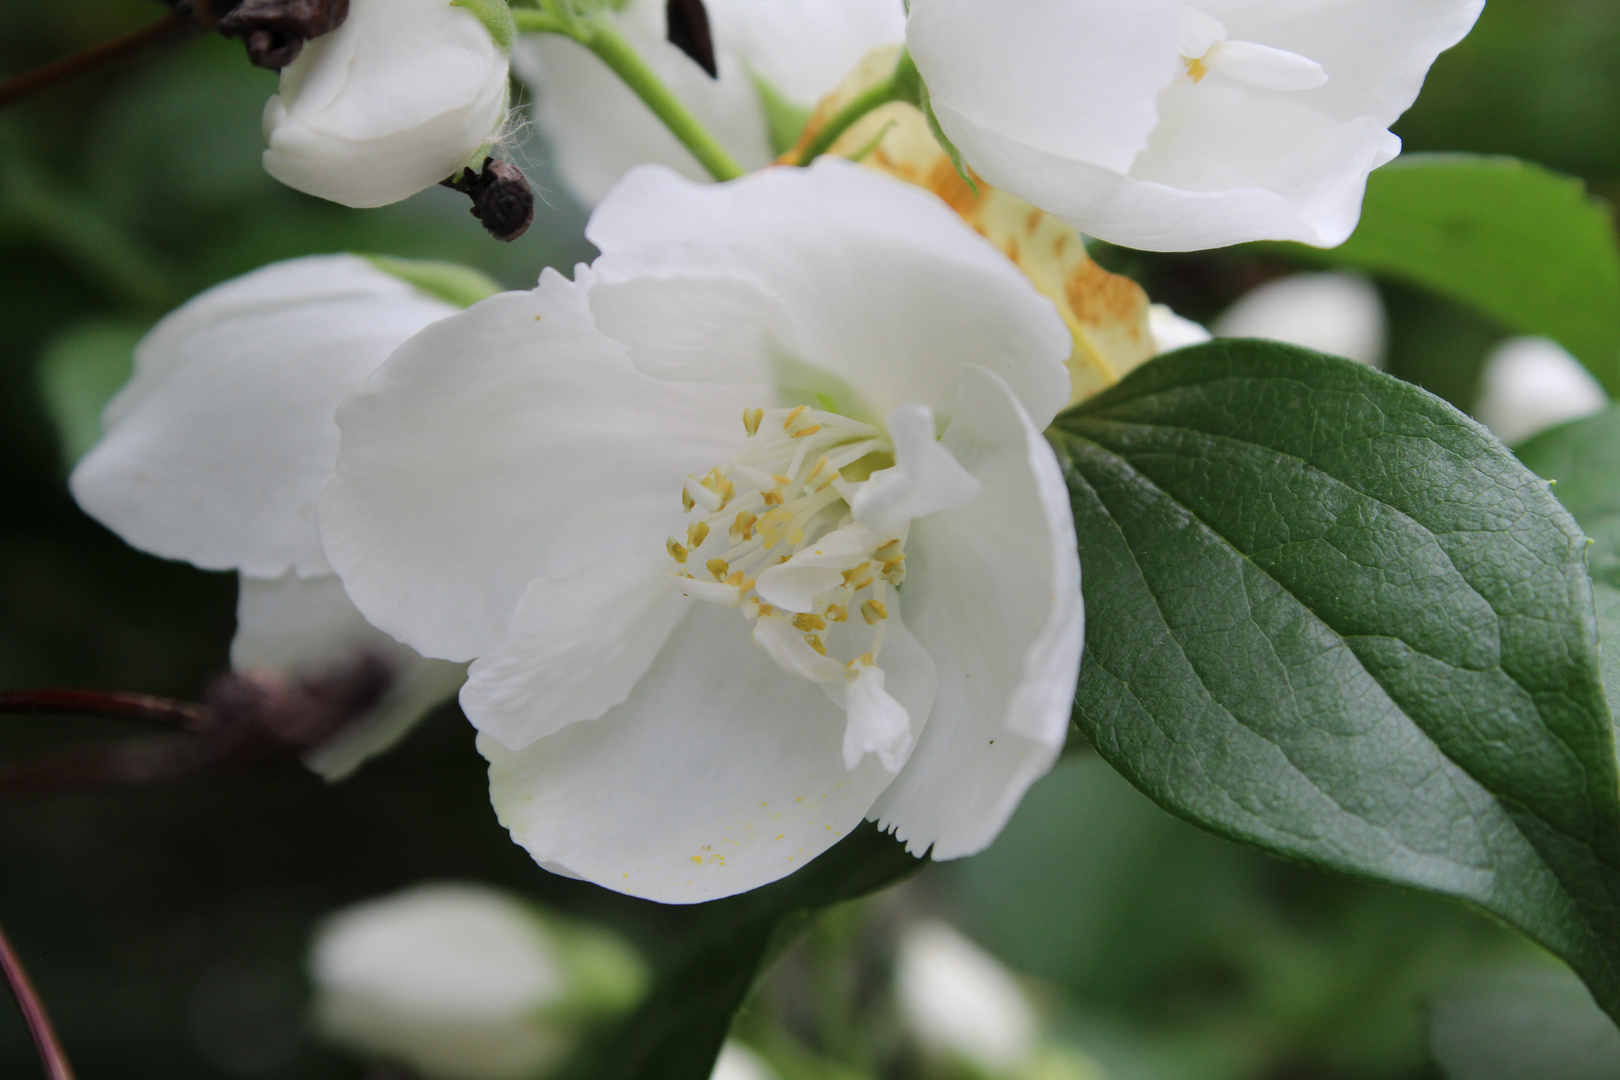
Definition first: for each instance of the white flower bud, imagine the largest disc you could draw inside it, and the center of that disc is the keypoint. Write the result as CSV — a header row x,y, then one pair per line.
x,y
462,982
1171,331
1333,313
961,1004
400,96
1530,384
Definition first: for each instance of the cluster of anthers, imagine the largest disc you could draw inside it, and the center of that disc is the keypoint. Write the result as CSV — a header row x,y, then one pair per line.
x,y
776,539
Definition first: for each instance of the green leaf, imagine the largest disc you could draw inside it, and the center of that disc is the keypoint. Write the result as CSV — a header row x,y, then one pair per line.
x,y
79,371
451,282
1329,615
1523,1024
677,1032
1524,245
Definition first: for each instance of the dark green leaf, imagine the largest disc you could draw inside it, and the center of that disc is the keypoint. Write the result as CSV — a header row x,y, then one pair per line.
x,y
677,1032
1523,1024
1329,615
1525,245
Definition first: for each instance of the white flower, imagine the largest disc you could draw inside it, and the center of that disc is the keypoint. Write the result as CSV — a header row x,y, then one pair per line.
x,y
1171,331
1530,384
670,709
599,129
216,450
737,1062
462,982
1333,313
400,96
961,1004
1169,126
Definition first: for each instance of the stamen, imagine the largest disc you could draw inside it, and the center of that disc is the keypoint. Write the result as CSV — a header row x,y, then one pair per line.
x,y
696,533
676,552
836,613
809,622
1196,68
719,568
815,643
874,611
751,419
743,528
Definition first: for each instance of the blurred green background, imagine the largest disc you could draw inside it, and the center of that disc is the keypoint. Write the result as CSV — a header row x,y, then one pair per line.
x,y
165,925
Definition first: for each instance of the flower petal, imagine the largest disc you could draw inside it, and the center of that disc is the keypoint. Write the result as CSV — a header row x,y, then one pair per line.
x,y
887,291
875,722
993,595
576,648
509,442
736,769
925,479
216,450
306,627
802,48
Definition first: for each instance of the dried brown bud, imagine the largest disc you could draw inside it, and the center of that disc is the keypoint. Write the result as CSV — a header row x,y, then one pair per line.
x,y
688,22
274,30
501,196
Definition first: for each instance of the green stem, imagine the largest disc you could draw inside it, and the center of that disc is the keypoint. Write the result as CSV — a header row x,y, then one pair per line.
x,y
599,36
903,84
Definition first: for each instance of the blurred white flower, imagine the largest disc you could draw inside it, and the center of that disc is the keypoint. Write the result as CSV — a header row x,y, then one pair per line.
x,y
463,982
737,1062
1171,331
687,705
400,96
1172,126
215,453
799,49
1333,313
962,1005
1530,384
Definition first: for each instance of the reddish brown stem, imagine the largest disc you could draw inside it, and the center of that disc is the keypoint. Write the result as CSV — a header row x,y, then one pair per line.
x,y
38,1020
108,52
165,712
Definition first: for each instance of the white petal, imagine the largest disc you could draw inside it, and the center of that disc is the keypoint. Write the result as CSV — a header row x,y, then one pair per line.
x,y
1530,384
306,628
961,1004
925,479
786,645
795,584
1170,331
507,443
1333,313
877,723
1199,32
600,129
393,101
803,48
1075,78
720,773
1266,67
716,329
216,450
576,648
993,594
887,291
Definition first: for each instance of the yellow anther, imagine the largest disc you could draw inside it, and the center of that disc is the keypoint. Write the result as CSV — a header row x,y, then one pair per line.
x,y
773,498
751,419
774,526
719,568
868,659
803,432
792,418
1196,69
888,551
686,500
743,528
766,610
727,490
821,463
675,550
836,613
894,571
815,643
808,622
713,480
874,611
860,571
696,533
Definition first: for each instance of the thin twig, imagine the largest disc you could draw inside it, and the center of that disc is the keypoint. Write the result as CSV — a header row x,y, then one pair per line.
x,y
38,1020
165,712
108,52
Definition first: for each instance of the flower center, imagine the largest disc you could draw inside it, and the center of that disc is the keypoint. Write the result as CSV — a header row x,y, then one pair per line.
x,y
773,536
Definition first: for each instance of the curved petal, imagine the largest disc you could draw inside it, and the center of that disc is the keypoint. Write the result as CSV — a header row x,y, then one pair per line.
x,y
1073,78
802,48
576,648
886,290
216,450
736,766
489,441
306,627
993,594
393,101
925,478
600,129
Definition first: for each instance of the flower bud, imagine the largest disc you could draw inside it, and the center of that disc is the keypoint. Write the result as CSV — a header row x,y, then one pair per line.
x,y
1335,313
400,96
1530,384
961,1005
464,982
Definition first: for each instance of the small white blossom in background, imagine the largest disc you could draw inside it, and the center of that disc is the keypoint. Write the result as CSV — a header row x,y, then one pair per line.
x,y
1171,331
216,450
1168,126
400,96
464,982
1333,313
1530,384
599,129
737,1062
666,507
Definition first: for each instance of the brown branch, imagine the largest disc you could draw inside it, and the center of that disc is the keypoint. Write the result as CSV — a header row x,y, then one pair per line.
x,y
108,52
38,1020
165,712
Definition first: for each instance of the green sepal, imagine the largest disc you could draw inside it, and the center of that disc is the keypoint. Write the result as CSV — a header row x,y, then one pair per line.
x,y
497,19
451,282
784,119
909,86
